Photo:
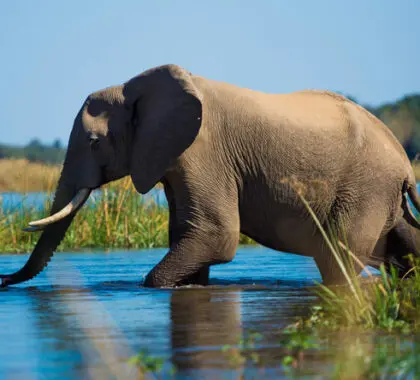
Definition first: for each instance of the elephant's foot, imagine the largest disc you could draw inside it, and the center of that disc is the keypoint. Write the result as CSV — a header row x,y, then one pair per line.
x,y
201,277
159,279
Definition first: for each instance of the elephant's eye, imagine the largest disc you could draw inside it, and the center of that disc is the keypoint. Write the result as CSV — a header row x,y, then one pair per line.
x,y
94,142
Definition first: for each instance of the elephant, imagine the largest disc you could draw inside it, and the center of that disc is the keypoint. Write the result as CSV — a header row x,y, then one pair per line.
x,y
229,159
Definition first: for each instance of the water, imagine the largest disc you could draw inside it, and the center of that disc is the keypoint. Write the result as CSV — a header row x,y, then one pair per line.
x,y
87,313
12,201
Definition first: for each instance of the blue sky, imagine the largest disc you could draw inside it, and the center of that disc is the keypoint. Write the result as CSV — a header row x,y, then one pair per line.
x,y
54,53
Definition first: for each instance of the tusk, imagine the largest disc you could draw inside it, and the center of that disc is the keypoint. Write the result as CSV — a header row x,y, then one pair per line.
x,y
75,203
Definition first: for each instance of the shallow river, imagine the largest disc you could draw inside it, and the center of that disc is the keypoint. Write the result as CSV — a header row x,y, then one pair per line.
x,y
87,313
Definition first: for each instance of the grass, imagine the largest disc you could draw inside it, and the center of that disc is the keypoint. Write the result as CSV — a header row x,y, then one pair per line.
x,y
149,365
119,219
19,175
244,350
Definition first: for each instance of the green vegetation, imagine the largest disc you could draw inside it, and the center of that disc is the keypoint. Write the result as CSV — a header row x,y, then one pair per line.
x,y
117,219
388,358
146,364
386,302
244,350
35,151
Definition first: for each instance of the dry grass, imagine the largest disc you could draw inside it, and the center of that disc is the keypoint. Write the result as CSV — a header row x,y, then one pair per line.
x,y
20,175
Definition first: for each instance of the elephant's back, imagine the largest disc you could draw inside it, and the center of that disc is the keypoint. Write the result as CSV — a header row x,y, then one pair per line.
x,y
319,134
308,114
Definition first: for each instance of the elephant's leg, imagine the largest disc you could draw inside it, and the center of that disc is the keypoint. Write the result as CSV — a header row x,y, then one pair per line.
x,y
190,258
362,234
328,267
173,231
203,232
399,243
200,277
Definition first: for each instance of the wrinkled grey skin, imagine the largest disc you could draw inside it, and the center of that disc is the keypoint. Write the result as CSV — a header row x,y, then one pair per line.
x,y
223,154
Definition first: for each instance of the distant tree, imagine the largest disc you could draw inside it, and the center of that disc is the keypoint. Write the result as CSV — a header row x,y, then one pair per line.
x,y
57,144
35,151
403,118
34,144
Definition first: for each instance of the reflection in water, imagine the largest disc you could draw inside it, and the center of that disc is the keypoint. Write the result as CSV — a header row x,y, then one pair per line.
x,y
202,322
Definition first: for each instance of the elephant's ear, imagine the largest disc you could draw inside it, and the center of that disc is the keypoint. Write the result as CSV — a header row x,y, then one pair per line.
x,y
168,118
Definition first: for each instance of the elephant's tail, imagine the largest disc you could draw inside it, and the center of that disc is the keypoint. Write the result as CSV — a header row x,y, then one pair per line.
x,y
411,189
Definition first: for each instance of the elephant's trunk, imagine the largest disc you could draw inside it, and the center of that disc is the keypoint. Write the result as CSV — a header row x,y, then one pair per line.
x,y
49,240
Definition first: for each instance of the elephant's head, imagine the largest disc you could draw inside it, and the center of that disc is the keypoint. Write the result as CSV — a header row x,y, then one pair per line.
x,y
139,128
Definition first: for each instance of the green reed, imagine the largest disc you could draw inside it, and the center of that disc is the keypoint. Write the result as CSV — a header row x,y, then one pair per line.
x,y
118,219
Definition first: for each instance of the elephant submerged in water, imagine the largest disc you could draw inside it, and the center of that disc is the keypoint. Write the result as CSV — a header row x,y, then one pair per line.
x,y
222,153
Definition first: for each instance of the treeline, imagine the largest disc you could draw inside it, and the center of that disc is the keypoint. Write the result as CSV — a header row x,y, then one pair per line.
x,y
35,151
402,116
